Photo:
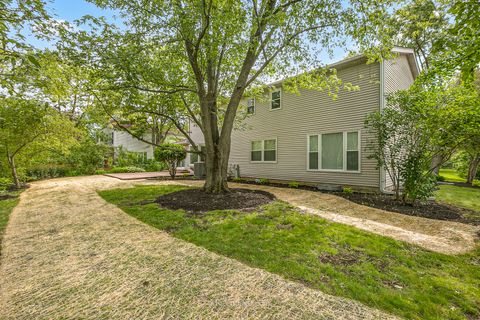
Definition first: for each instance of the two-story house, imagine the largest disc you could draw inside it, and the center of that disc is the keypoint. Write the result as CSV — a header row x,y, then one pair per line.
x,y
309,137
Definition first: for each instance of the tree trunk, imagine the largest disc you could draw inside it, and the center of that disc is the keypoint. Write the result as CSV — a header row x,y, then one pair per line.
x,y
472,168
436,163
216,165
13,168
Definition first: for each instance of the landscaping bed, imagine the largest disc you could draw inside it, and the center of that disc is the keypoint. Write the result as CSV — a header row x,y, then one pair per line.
x,y
197,201
430,209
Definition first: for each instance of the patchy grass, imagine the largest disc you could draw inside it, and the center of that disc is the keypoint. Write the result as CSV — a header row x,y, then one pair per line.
x,y
381,272
451,175
6,207
464,197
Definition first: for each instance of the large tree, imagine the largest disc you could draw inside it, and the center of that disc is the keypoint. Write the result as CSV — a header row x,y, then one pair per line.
x,y
205,54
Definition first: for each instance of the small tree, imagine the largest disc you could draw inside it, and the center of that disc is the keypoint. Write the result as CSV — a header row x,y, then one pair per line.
x,y
172,154
404,144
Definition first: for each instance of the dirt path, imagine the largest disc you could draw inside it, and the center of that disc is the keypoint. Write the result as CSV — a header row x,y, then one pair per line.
x,y
69,254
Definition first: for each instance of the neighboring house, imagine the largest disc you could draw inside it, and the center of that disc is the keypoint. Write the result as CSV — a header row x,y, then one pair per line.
x,y
122,139
312,138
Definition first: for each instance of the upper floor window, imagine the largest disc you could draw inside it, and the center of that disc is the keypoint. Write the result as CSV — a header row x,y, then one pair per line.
x,y
276,100
251,106
338,151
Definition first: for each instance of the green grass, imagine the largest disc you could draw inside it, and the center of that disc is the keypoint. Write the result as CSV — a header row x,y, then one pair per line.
x,y
391,275
451,175
459,196
6,207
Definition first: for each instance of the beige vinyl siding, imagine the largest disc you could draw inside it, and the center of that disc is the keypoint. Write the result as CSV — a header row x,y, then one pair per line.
x,y
311,112
398,76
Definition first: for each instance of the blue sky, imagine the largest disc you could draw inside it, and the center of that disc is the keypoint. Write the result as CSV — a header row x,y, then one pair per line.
x,y
70,10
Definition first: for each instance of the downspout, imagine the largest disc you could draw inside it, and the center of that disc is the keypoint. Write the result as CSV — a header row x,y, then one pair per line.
x,y
382,106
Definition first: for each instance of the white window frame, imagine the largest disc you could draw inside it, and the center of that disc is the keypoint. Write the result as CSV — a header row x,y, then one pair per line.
x,y
280,98
344,133
254,106
263,150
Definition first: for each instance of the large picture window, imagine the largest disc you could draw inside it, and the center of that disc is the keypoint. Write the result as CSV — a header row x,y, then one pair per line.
x,y
338,151
264,150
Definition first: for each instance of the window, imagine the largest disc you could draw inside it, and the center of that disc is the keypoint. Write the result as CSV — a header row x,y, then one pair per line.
x,y
256,151
197,157
264,151
251,106
332,151
276,100
337,151
352,151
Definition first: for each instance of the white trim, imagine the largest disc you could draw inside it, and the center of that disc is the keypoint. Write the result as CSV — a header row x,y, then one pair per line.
x,y
382,175
280,98
263,150
344,150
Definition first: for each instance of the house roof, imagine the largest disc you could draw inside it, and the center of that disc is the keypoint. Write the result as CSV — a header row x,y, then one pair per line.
x,y
362,58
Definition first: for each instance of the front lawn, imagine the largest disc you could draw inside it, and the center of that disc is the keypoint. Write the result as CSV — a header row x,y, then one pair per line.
x,y
464,197
341,260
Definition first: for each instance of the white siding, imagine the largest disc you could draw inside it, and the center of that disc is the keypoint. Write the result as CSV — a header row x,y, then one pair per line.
x,y
129,143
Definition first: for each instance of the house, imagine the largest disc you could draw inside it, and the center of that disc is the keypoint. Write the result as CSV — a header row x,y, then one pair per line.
x,y
311,138
122,140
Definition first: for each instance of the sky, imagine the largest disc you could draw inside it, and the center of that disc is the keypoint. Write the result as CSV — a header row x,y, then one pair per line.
x,y
70,10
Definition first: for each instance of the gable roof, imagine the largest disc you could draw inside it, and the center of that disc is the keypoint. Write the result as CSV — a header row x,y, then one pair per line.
x,y
362,58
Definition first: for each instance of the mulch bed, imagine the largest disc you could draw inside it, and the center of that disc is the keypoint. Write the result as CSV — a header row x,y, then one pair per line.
x,y
198,201
430,209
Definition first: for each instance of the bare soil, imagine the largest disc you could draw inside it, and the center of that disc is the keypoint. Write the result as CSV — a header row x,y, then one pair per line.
x,y
198,201
429,209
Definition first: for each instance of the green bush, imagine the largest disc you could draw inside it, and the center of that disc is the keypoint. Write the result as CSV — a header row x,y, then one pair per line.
x,y
293,184
130,169
237,179
5,183
347,190
47,171
171,154
100,171
152,165
262,181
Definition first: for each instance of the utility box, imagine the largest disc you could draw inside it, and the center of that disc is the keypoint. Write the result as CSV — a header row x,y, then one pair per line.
x,y
199,170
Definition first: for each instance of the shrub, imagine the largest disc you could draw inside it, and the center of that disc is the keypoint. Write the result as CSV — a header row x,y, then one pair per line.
x,y
130,169
152,165
262,181
171,154
293,184
347,190
100,171
236,179
5,183
47,172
